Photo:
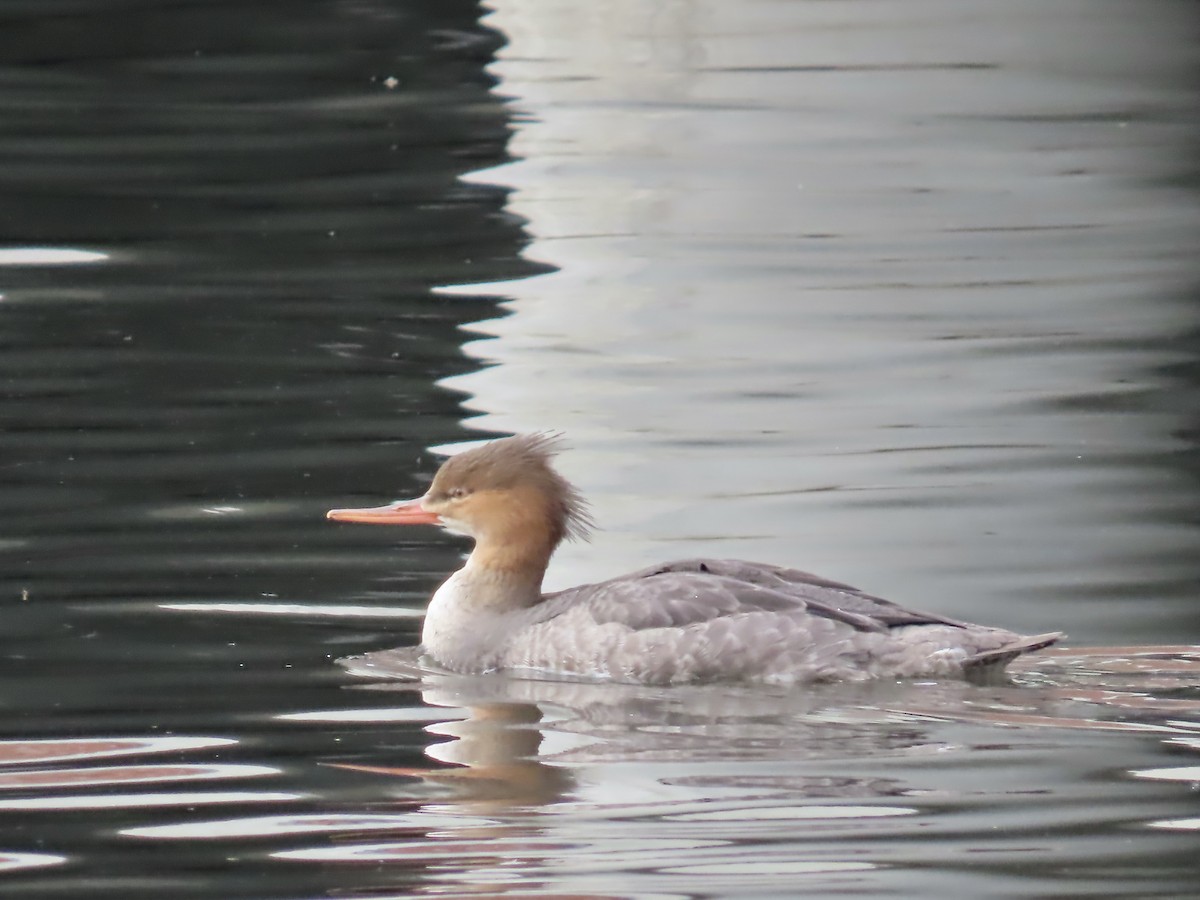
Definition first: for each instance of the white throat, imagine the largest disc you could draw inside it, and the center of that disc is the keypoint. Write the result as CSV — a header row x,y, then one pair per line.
x,y
470,615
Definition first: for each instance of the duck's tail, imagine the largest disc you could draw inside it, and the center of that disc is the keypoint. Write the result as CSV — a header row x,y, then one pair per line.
x,y
997,659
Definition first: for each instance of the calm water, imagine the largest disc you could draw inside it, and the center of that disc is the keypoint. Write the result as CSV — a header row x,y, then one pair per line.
x,y
902,293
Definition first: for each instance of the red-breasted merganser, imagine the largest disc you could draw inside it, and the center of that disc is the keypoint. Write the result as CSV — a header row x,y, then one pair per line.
x,y
689,621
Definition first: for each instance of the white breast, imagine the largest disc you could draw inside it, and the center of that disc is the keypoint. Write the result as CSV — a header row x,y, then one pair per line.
x,y
446,618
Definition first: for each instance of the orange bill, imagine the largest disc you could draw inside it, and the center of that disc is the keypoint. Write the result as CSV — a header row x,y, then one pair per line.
x,y
402,512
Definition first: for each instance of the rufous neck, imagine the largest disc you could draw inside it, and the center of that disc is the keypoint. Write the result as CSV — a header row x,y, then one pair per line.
x,y
507,576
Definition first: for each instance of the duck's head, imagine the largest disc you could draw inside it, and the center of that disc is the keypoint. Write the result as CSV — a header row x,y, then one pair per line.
x,y
504,491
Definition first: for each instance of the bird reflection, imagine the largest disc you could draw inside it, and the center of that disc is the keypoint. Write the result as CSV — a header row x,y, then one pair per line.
x,y
520,741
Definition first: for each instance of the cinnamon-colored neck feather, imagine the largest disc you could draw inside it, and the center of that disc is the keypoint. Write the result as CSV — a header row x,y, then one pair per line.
x,y
513,546
515,530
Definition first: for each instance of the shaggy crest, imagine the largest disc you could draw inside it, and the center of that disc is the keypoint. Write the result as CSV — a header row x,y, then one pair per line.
x,y
513,462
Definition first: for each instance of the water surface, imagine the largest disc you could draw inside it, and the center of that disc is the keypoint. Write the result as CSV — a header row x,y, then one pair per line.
x,y
899,293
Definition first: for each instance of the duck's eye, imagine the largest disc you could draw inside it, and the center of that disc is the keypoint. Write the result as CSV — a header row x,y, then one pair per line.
x,y
457,493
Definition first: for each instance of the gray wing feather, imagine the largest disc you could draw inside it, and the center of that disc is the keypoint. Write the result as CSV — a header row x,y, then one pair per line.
x,y
693,591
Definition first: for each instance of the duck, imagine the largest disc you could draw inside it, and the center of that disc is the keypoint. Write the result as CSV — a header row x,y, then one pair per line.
x,y
688,621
